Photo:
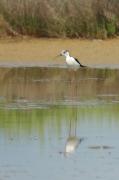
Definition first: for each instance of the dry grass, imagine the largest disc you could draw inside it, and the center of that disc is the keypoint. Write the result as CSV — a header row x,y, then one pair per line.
x,y
67,18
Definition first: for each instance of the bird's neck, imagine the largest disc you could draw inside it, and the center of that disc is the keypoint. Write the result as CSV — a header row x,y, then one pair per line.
x,y
67,55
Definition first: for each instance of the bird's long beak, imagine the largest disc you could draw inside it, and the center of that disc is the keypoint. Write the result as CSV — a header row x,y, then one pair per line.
x,y
56,57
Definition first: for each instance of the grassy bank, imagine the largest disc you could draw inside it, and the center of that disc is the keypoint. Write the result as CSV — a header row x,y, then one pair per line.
x,y
67,18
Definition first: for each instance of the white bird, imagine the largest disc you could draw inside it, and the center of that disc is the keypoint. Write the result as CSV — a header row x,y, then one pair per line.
x,y
71,61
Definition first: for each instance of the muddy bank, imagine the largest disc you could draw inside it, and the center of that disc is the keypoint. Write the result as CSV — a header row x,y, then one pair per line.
x,y
43,51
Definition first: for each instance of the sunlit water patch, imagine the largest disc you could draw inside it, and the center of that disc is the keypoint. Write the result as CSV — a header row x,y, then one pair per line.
x,y
56,123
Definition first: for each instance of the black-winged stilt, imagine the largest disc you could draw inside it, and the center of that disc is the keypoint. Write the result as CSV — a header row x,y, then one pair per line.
x,y
71,61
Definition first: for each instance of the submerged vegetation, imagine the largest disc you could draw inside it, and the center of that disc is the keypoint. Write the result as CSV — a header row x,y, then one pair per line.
x,y
55,18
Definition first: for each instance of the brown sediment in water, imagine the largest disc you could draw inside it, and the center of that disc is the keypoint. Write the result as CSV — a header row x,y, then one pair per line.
x,y
43,51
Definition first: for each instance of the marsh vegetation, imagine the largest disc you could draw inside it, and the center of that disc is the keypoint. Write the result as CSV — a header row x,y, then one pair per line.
x,y
55,18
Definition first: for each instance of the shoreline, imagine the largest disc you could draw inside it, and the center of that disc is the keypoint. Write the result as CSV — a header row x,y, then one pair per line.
x,y
43,51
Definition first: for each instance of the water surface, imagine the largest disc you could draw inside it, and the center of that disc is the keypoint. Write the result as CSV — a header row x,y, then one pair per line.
x,y
56,123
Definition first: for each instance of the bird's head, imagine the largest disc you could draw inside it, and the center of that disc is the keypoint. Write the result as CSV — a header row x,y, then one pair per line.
x,y
64,53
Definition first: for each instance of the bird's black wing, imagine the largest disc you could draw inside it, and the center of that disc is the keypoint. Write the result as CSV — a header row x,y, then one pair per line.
x,y
79,63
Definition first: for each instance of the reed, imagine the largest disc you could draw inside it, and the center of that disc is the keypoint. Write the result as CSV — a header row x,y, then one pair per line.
x,y
67,18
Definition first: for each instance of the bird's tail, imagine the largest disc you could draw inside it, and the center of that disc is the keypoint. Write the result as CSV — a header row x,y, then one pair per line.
x,y
82,65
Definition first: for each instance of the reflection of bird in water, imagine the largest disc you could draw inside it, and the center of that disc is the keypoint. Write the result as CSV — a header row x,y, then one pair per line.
x,y
72,141
71,60
71,144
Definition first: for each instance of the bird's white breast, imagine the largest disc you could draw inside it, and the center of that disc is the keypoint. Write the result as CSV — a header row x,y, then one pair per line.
x,y
71,61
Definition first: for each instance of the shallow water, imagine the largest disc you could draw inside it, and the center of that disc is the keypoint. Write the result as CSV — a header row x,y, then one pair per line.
x,y
56,123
